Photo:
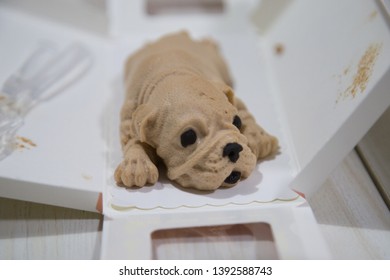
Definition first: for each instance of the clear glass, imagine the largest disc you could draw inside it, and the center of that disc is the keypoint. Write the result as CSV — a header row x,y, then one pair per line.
x,y
44,74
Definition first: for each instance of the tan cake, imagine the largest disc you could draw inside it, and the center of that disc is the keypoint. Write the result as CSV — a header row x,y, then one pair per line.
x,y
180,107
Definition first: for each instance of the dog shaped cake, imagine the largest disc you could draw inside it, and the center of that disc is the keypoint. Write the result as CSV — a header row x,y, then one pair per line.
x,y
180,108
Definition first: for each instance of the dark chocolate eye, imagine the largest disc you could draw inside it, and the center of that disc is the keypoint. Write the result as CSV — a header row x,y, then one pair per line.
x,y
237,122
188,138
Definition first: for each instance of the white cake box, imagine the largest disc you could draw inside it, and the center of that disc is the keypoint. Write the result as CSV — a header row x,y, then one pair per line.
x,y
314,74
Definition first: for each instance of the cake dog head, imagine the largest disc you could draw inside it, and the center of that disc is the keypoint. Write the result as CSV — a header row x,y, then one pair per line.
x,y
195,128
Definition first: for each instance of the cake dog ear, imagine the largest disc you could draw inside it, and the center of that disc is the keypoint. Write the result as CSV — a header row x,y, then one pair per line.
x,y
144,121
227,90
230,94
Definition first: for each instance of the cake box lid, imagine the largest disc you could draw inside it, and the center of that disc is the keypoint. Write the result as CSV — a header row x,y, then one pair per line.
x,y
59,151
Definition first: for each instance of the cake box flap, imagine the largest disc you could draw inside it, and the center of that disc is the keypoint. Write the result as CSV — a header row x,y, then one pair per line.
x,y
59,155
328,63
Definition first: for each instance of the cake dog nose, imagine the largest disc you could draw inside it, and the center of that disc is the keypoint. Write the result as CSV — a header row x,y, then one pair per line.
x,y
233,177
232,151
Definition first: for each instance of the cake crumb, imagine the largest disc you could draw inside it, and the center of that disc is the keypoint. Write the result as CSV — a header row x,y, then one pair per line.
x,y
86,177
363,73
373,15
22,143
26,142
279,49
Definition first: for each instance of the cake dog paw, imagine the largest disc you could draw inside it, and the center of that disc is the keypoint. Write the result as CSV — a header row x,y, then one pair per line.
x,y
180,108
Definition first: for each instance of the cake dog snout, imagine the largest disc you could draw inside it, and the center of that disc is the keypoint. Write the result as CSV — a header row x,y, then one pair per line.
x,y
232,151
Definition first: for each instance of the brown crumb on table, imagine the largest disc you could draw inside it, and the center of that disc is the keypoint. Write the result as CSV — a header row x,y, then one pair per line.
x,y
346,71
86,177
21,146
363,73
24,142
373,15
279,49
